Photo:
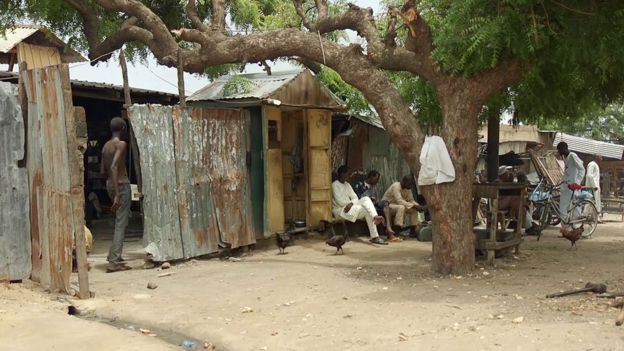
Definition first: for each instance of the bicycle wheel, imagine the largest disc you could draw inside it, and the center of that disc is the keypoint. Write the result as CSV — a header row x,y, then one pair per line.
x,y
542,215
589,216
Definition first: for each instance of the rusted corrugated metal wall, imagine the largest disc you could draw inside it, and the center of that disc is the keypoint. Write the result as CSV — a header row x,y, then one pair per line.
x,y
55,186
195,180
153,129
228,136
15,263
192,141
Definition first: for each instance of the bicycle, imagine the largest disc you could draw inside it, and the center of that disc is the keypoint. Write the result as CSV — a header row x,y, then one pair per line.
x,y
547,208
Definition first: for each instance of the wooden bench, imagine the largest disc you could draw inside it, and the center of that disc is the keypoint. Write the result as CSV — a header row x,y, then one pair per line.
x,y
492,193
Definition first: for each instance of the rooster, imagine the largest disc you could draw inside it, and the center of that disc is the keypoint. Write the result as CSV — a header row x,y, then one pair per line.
x,y
573,235
284,239
337,241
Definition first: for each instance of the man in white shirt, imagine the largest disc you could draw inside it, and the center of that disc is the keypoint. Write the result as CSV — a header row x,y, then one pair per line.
x,y
592,180
573,173
347,206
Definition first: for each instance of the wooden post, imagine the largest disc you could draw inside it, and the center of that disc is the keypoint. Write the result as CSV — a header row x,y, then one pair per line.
x,y
492,147
124,73
80,125
181,89
134,151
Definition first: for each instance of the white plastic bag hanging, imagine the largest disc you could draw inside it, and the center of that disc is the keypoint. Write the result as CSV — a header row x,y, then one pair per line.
x,y
435,163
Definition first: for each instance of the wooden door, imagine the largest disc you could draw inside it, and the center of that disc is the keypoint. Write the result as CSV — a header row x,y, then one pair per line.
x,y
319,165
275,177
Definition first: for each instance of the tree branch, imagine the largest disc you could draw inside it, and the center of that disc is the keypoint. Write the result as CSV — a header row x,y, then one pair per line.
x,y
162,40
191,11
321,6
218,15
302,13
496,79
391,35
127,33
90,21
580,12
420,42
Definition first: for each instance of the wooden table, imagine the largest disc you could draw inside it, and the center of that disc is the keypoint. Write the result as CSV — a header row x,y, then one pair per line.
x,y
492,191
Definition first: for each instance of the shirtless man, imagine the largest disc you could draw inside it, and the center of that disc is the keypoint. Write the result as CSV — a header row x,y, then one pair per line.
x,y
118,186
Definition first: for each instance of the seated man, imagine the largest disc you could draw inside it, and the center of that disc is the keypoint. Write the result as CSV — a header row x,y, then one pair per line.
x,y
346,205
363,188
401,201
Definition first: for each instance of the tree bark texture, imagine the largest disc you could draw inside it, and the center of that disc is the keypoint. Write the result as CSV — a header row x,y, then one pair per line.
x,y
451,203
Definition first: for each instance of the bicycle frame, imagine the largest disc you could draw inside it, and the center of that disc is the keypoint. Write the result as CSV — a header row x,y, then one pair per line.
x,y
552,205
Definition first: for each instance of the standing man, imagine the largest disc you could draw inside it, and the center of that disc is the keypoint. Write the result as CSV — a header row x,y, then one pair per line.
x,y
573,175
118,186
592,180
399,196
346,205
364,188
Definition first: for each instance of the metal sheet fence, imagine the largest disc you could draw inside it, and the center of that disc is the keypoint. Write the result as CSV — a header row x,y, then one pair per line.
x,y
15,262
195,183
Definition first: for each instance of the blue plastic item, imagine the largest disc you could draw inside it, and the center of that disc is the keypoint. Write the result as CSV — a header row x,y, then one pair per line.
x,y
188,345
584,195
537,196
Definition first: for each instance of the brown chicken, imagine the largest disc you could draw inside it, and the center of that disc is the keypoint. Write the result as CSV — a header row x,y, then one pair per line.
x,y
337,241
573,235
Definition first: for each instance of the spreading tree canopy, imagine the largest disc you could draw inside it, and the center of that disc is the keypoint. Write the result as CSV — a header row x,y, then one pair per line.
x,y
418,62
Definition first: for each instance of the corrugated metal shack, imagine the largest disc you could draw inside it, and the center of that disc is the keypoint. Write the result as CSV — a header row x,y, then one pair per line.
x,y
362,143
289,142
258,147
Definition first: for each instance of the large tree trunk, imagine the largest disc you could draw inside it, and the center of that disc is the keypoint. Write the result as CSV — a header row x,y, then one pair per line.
x,y
451,203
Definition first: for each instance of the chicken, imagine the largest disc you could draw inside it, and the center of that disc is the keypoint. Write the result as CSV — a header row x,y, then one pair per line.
x,y
284,240
337,241
573,235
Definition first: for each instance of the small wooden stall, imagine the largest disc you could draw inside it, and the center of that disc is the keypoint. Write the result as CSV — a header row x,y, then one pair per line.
x,y
492,239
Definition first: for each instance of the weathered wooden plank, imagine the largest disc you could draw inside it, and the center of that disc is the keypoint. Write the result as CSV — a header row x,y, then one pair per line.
x,y
54,218
15,263
319,165
153,128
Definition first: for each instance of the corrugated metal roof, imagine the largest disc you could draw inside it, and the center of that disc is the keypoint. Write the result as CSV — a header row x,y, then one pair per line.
x,y
589,146
14,36
373,120
21,32
262,86
86,84
13,76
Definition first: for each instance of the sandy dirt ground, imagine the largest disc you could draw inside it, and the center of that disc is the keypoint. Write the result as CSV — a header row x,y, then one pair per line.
x,y
370,298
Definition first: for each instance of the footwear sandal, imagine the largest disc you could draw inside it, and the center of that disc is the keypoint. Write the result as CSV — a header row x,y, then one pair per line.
x,y
117,268
395,239
378,241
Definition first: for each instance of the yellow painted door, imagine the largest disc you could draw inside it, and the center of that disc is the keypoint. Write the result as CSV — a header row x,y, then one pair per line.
x,y
319,165
275,178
